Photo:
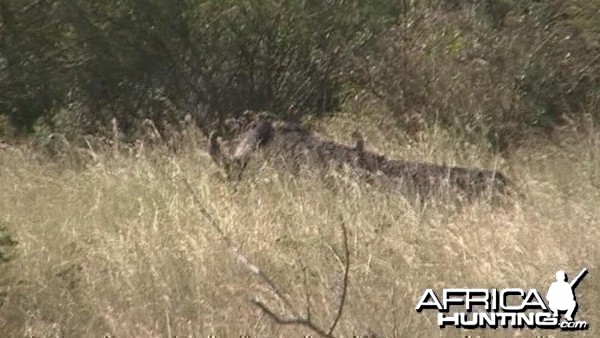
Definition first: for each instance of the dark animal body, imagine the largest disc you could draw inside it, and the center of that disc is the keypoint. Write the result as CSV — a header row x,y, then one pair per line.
x,y
291,146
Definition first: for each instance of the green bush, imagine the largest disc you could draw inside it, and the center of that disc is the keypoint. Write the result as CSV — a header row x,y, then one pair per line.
x,y
497,79
34,61
495,71
160,59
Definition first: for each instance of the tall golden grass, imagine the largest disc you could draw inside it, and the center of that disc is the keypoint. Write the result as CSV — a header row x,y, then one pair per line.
x,y
116,245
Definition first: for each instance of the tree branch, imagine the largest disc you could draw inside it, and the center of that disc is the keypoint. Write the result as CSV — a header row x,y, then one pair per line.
x,y
295,319
345,280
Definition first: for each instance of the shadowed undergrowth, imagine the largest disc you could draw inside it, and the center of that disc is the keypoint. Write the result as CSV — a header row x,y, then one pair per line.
x,y
117,246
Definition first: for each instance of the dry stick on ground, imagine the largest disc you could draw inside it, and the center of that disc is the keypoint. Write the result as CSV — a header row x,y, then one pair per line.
x,y
296,319
236,252
342,296
307,321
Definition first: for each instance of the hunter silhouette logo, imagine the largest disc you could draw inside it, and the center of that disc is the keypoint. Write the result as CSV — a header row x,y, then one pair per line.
x,y
512,307
561,295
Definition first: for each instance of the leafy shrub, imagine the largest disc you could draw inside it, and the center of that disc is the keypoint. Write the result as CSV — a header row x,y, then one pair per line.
x,y
161,59
496,79
494,71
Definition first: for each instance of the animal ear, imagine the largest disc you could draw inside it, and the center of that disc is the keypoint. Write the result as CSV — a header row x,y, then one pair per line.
x,y
222,159
214,149
359,141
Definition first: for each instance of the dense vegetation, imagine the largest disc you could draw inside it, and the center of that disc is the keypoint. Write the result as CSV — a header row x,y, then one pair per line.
x,y
494,70
115,222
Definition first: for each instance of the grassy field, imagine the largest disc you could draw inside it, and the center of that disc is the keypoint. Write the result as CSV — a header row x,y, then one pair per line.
x,y
119,246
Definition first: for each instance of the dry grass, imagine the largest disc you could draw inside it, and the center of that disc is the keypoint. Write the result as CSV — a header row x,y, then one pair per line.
x,y
120,248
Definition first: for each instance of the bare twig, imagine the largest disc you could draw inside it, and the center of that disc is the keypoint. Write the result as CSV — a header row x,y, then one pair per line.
x,y
308,312
295,318
115,131
345,280
236,252
308,322
292,321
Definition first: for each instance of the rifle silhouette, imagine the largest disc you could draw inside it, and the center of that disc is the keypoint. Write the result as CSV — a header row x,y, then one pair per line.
x,y
578,278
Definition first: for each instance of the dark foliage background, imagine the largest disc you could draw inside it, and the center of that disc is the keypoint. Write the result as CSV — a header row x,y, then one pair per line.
x,y
494,71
